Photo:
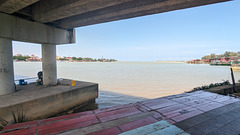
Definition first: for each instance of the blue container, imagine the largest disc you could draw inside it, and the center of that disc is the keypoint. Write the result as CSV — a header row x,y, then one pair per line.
x,y
21,82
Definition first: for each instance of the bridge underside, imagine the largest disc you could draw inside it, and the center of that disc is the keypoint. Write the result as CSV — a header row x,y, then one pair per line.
x,y
52,22
68,14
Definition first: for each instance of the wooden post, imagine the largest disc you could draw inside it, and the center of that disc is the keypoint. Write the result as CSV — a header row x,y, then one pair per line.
x,y
233,80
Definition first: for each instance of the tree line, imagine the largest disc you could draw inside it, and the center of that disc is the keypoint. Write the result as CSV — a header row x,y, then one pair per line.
x,y
88,59
226,54
21,58
24,58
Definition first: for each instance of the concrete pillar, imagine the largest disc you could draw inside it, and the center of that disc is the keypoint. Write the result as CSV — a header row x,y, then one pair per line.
x,y
49,65
6,67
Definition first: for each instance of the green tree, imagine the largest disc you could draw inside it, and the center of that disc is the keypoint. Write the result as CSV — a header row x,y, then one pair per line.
x,y
230,54
226,54
21,58
79,58
213,56
74,58
87,59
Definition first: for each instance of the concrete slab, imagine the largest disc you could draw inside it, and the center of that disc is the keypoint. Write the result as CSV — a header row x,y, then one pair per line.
x,y
159,128
36,102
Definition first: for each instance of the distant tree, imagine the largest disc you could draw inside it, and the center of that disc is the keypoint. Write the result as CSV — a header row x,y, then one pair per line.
x,y
213,56
87,59
79,58
233,54
64,58
74,58
21,58
226,54
229,54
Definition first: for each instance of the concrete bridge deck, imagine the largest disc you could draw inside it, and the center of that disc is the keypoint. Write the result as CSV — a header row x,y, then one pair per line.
x,y
194,113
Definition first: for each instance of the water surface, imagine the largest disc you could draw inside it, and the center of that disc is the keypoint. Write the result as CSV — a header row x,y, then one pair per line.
x,y
125,82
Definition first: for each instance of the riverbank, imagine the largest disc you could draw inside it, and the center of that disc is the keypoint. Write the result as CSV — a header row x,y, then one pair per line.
x,y
67,61
171,61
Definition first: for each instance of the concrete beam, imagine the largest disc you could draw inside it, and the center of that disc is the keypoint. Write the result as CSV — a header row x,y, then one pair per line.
x,y
11,6
18,29
51,10
134,8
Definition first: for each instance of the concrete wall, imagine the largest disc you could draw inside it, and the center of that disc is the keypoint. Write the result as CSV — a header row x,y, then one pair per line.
x,y
18,29
52,104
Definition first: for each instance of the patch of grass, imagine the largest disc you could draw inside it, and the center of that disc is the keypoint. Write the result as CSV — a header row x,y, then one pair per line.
x,y
19,117
3,123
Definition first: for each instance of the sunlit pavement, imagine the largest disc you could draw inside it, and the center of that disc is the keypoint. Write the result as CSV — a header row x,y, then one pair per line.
x,y
194,113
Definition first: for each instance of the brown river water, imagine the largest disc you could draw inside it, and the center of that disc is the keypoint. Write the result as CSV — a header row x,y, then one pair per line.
x,y
130,82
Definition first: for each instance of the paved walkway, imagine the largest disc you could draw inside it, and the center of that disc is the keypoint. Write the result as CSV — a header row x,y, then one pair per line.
x,y
194,113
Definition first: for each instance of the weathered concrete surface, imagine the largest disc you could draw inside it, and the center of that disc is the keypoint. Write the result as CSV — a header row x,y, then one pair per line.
x,y
11,6
47,11
37,102
49,64
6,67
18,29
69,14
130,9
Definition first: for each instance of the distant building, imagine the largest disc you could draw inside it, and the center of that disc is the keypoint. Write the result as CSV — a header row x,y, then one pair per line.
x,y
33,58
69,58
222,60
19,54
235,60
205,61
217,61
196,61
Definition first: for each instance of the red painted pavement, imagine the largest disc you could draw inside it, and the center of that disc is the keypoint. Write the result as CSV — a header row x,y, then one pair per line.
x,y
173,108
136,124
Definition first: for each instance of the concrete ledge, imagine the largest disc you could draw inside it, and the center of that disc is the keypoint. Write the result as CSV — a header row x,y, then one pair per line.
x,y
36,102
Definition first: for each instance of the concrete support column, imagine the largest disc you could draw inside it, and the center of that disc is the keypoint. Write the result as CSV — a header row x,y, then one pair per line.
x,y
6,67
49,65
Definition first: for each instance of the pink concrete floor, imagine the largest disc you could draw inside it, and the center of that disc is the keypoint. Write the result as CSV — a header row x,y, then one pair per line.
x,y
119,119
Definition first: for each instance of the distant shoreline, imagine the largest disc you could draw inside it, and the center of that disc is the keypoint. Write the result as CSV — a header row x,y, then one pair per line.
x,y
171,61
112,61
72,61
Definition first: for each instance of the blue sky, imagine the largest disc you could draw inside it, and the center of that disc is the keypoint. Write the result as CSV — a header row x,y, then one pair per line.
x,y
176,35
